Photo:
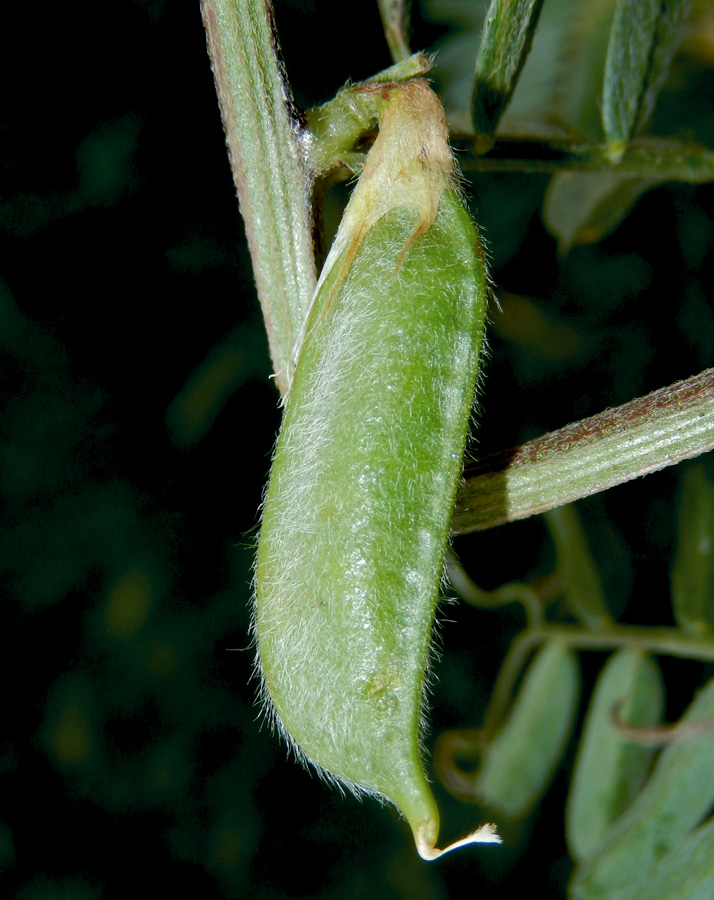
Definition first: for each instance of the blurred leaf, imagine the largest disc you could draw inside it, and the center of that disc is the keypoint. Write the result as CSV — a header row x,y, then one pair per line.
x,y
534,328
583,588
105,162
154,9
43,888
693,569
687,873
628,275
583,207
52,549
632,38
227,367
64,519
674,800
24,214
557,92
643,39
7,847
113,731
70,729
610,770
43,436
105,170
235,832
200,251
521,759
225,842
673,14
128,603
505,42
166,771
50,419
698,42
579,42
695,321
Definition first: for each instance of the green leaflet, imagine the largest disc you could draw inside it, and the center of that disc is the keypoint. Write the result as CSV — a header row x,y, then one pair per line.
x,y
628,54
521,759
686,873
610,769
666,41
674,800
559,85
356,516
583,207
643,39
693,569
505,43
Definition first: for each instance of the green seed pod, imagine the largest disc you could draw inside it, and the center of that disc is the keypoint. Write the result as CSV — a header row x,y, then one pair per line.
x,y
356,515
610,769
520,761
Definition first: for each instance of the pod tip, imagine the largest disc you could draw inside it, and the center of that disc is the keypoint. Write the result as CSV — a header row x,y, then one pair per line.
x,y
486,834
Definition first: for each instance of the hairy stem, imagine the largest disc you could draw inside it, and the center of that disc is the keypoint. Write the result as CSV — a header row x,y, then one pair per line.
x,y
615,446
268,166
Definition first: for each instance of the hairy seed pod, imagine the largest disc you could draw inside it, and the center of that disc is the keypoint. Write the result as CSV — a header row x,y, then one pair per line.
x,y
356,515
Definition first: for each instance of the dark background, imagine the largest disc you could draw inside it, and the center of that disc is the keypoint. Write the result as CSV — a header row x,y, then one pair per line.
x,y
137,423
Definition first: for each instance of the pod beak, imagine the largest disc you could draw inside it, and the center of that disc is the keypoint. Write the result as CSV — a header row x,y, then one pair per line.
x,y
425,838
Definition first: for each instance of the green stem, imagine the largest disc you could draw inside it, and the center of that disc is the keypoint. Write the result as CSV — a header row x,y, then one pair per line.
x,y
395,21
662,641
658,160
268,166
471,593
519,651
615,446
337,126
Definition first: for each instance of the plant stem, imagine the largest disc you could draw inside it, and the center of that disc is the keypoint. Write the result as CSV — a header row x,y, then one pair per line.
x,y
615,446
658,160
662,641
337,126
268,165
513,592
395,21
